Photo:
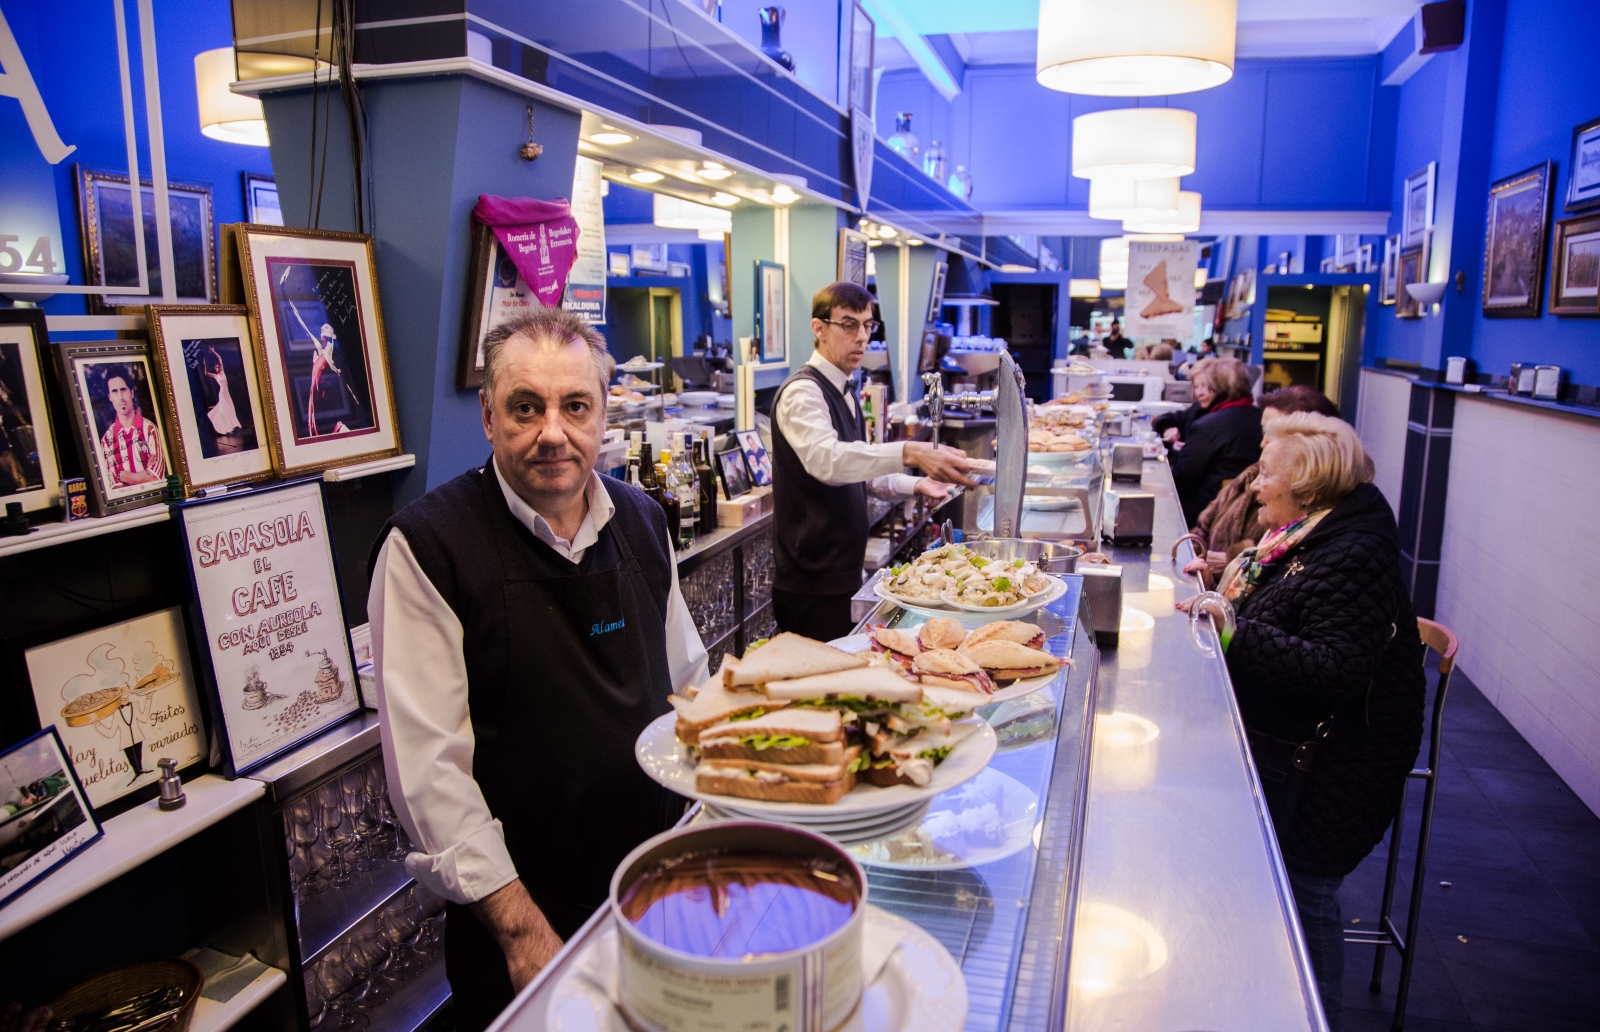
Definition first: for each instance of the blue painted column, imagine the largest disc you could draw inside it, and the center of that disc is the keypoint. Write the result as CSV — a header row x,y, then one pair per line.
x,y
434,145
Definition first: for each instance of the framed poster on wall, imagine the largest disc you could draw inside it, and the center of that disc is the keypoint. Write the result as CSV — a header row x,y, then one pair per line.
x,y
275,648
498,294
110,388
1583,184
30,465
45,819
772,311
1513,251
110,254
1416,216
1575,266
853,250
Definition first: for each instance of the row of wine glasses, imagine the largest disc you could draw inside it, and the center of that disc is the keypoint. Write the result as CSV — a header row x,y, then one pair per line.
x,y
708,592
363,970
344,825
758,570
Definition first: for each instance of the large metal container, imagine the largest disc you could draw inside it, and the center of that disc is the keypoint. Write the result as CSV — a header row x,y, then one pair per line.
x,y
815,987
1048,556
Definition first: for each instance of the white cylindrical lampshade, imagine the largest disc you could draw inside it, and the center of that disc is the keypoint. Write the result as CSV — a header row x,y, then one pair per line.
x,y
1114,263
225,115
1134,143
1084,287
1139,200
1135,48
1186,221
676,213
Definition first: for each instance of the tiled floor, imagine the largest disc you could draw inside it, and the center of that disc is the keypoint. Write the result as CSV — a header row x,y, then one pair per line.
x,y
1513,943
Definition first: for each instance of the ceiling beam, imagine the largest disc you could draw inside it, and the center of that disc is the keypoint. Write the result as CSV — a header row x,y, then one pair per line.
x,y
891,15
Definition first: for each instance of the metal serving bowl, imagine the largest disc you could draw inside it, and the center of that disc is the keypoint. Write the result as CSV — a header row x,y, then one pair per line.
x,y
1048,556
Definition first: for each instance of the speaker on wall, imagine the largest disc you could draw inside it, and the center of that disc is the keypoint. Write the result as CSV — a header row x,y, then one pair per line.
x,y
1444,25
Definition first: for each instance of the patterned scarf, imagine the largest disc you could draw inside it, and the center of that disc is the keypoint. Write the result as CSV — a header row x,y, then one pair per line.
x,y
1246,571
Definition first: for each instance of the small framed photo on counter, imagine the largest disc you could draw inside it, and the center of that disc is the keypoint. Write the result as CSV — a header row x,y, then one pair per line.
x,y
733,472
756,458
1547,382
44,818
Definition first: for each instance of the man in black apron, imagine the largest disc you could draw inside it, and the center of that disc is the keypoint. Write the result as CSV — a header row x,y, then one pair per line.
x,y
823,466
527,626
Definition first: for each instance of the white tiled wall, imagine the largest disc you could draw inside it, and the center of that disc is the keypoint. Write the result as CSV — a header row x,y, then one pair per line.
x,y
1520,575
1382,408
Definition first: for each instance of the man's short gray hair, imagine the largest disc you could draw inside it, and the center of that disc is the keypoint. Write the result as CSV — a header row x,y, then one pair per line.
x,y
546,329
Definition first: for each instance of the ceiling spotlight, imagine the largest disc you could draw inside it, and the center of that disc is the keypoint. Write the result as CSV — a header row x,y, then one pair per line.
x,y
645,175
726,200
914,242
715,172
610,137
783,194
888,232
1083,288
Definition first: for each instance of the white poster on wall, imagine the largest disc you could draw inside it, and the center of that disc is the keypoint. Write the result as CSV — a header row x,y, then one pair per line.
x,y
586,283
268,598
1160,298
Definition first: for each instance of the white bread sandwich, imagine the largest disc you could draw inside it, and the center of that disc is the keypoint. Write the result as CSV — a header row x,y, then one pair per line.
x,y
1008,661
819,783
799,736
713,705
941,632
896,645
948,668
1029,634
786,657
910,761
872,690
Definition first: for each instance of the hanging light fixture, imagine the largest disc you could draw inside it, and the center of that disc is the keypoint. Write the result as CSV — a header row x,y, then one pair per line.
x,y
225,115
1114,263
1139,200
1187,220
1134,143
1084,287
1135,48
677,213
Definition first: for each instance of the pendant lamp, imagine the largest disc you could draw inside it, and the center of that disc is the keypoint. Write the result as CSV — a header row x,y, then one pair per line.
x,y
1187,220
1137,200
225,115
1134,143
1114,263
1135,48
1083,288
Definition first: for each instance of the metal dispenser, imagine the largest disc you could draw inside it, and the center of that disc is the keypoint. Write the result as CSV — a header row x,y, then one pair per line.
x,y
1008,400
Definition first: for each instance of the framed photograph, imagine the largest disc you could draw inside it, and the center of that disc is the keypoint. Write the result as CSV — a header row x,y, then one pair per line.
x,y
1547,382
120,689
733,472
1513,253
207,371
1575,266
1583,183
30,464
44,820
756,458
648,257
1416,215
498,293
936,292
318,331
261,199
863,40
853,250
1364,261
276,653
1391,265
110,388
772,311
105,216
1410,267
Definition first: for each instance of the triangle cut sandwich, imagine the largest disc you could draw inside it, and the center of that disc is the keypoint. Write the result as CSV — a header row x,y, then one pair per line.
x,y
799,736
819,783
786,657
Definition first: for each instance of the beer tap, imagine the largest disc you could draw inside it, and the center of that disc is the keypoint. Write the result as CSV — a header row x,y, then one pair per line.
x,y
937,399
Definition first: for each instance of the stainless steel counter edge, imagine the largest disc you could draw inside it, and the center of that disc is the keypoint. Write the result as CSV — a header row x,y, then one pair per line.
x,y
719,541
340,745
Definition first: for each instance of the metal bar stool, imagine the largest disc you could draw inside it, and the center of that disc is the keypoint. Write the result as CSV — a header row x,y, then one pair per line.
x,y
1441,641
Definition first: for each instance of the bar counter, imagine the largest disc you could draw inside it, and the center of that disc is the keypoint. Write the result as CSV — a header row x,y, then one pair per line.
x,y
1153,898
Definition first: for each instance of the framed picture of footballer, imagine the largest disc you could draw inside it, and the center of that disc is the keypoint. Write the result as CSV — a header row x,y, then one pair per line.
x,y
207,373
30,466
110,387
318,330
44,820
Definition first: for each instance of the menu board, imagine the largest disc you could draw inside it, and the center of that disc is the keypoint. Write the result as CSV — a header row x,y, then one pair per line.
x,y
586,282
1160,298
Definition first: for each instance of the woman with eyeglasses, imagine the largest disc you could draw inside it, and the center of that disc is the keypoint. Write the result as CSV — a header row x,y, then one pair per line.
x,y
823,467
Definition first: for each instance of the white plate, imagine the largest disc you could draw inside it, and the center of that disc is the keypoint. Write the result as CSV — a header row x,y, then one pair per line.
x,y
1060,458
632,366
1057,588
856,644
920,987
659,753
989,818
724,810
918,605
727,400
702,398
878,829
1048,503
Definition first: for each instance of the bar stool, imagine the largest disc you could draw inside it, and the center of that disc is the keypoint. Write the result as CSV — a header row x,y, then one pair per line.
x,y
1442,642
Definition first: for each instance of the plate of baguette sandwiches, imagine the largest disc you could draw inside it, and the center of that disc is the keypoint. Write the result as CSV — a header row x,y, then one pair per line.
x,y
1005,659
802,732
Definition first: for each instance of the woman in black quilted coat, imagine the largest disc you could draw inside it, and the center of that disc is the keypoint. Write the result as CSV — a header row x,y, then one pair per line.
x,y
1326,636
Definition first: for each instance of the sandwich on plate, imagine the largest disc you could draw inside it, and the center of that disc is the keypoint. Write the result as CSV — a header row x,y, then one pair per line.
x,y
896,645
782,736
1007,661
941,632
1029,634
819,783
713,705
910,759
785,657
951,669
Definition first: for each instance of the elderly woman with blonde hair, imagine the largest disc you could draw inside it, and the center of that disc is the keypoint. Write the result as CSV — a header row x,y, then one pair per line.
x,y
1220,444
1326,664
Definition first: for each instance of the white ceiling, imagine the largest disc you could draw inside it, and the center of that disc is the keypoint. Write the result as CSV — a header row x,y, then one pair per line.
x,y
1003,31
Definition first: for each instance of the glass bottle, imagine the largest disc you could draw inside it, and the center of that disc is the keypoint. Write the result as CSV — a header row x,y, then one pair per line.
x,y
708,486
933,162
771,44
960,183
647,474
904,142
681,482
670,492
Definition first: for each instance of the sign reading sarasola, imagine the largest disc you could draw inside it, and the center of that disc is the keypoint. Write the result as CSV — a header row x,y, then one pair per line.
x,y
240,542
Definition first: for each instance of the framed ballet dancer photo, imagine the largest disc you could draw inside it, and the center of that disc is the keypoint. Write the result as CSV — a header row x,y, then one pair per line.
x,y
207,373
318,335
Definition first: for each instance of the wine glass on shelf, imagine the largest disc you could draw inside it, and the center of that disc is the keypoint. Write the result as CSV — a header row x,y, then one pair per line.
x,y
386,815
363,818
337,830
305,829
365,958
334,981
398,927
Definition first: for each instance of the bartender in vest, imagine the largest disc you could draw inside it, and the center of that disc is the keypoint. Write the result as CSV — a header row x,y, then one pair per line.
x,y
823,469
526,626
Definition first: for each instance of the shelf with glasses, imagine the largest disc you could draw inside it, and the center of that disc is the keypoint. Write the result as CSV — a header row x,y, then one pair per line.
x,y
327,916
388,966
130,839
416,1001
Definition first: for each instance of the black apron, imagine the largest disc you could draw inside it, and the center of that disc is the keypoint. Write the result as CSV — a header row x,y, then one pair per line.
x,y
586,672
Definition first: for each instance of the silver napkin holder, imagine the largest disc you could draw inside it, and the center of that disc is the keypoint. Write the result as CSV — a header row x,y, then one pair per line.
x,y
1130,516
1127,462
1102,589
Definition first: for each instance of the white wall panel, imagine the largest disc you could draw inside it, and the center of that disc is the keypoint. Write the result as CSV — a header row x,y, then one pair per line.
x,y
1518,578
1382,407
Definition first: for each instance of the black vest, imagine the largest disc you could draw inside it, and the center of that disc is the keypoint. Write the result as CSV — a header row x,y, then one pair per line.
x,y
820,532
566,665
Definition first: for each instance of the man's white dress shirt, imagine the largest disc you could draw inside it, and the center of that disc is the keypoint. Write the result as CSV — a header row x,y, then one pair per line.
x,y
422,699
802,415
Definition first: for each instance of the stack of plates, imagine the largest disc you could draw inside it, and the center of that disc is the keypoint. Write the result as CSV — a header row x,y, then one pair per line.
x,y
699,399
847,829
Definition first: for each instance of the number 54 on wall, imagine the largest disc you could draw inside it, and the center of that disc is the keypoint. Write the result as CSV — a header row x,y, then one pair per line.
x,y
40,257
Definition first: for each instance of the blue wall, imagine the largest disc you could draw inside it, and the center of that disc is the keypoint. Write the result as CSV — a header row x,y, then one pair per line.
x,y
70,46
1308,134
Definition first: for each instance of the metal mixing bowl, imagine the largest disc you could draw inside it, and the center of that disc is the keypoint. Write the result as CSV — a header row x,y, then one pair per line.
x,y
1048,556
